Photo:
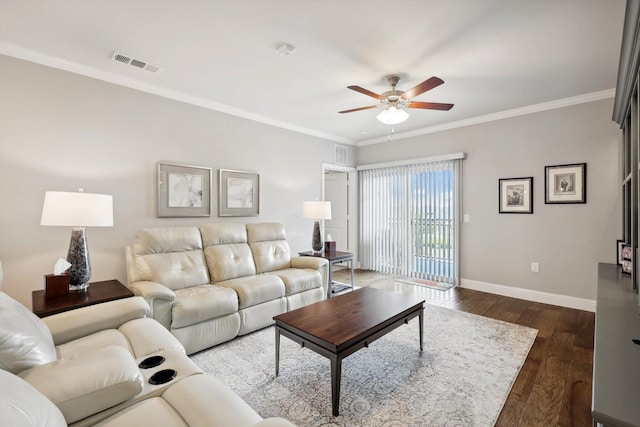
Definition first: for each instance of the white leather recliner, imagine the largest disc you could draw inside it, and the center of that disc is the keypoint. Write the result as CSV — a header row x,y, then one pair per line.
x,y
209,284
83,367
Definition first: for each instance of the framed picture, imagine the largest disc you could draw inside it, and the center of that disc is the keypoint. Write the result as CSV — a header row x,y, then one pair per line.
x,y
515,195
183,191
627,261
565,183
619,257
239,193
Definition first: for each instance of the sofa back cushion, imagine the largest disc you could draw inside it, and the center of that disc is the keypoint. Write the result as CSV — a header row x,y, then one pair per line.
x,y
226,251
269,246
25,341
171,256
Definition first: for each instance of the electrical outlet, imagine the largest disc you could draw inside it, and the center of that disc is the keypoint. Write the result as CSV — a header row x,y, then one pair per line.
x,y
535,267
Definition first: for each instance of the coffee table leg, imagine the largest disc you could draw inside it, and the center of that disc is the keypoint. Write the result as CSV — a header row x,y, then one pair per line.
x,y
421,323
336,373
277,351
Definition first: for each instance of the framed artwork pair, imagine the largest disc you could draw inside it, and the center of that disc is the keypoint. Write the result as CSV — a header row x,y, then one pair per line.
x,y
563,184
185,191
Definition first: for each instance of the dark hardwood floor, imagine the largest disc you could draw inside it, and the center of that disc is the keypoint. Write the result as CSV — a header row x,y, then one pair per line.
x,y
554,385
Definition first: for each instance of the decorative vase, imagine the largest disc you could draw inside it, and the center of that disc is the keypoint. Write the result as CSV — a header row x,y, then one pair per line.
x,y
316,242
78,257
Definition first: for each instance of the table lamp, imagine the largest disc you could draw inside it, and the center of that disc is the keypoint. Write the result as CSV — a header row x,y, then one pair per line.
x,y
316,210
77,210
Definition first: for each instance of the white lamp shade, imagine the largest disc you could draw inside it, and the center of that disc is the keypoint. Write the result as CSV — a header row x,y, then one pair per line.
x,y
316,210
77,209
392,116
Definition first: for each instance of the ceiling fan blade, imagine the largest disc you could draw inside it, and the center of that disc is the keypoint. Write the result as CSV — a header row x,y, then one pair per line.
x,y
422,87
430,105
366,92
358,109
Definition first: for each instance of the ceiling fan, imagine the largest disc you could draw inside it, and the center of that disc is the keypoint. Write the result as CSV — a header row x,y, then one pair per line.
x,y
395,101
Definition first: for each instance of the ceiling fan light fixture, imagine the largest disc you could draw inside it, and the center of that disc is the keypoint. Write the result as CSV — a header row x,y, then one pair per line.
x,y
392,116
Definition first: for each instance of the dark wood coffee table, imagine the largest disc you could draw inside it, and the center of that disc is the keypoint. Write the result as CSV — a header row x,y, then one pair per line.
x,y
340,326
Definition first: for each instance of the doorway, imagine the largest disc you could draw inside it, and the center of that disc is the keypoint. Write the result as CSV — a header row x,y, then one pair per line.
x,y
339,186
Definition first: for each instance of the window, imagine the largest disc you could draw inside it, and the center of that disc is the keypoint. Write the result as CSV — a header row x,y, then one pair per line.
x,y
409,218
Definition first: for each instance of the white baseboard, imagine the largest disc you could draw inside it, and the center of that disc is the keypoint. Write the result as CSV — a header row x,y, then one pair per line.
x,y
530,295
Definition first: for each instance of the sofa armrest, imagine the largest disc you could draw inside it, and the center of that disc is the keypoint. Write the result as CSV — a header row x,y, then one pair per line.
x,y
85,385
85,321
314,263
159,297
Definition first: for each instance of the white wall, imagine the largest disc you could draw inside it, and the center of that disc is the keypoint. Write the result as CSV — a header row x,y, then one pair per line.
x,y
61,131
567,240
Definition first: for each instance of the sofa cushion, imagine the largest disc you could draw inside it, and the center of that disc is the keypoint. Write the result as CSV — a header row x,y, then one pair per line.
x,y
265,232
108,337
269,246
89,383
226,251
162,240
151,412
25,341
22,405
148,336
298,280
229,261
170,255
220,233
200,303
205,401
253,290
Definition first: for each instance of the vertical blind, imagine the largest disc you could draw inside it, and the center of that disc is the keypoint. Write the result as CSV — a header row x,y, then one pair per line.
x,y
409,219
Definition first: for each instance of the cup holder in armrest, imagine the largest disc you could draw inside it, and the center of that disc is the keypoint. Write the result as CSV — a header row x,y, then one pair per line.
x,y
151,362
163,376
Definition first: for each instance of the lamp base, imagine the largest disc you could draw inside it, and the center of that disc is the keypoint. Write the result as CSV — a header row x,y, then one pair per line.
x,y
78,257
79,288
316,242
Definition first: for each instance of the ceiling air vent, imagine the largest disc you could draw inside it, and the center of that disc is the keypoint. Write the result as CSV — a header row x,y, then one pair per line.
x,y
119,57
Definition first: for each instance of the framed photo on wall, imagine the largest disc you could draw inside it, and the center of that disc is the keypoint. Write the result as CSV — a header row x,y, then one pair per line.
x,y
239,193
565,183
627,258
183,191
515,195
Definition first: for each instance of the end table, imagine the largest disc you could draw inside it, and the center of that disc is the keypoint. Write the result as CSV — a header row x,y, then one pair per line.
x,y
336,257
97,292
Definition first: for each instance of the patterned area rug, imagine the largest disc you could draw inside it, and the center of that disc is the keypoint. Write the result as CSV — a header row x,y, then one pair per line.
x,y
462,378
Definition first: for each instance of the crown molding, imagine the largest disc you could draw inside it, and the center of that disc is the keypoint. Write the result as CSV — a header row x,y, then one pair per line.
x,y
19,52
12,50
545,106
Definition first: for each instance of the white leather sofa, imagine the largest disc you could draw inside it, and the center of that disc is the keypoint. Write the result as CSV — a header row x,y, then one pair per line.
x,y
211,283
81,368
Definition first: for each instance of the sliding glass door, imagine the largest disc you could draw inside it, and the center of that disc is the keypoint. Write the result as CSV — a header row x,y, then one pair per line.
x,y
409,219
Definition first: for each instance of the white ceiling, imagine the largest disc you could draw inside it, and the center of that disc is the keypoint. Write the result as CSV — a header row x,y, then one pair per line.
x,y
497,57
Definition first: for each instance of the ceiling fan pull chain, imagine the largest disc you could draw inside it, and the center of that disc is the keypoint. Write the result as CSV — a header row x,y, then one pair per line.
x,y
390,130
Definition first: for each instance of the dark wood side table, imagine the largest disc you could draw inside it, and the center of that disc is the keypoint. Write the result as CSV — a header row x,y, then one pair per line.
x,y
336,257
97,292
